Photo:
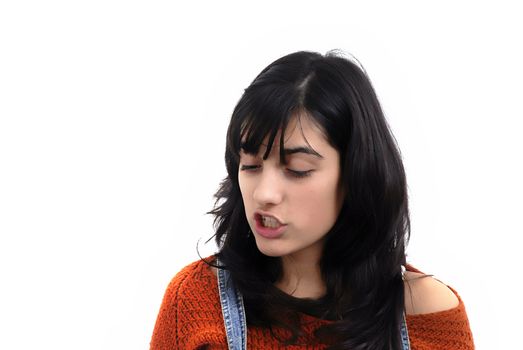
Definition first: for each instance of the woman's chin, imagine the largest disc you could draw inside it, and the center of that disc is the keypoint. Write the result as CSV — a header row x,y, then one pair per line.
x,y
270,250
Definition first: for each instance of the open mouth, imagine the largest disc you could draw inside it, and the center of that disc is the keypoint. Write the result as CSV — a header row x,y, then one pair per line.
x,y
268,221
268,226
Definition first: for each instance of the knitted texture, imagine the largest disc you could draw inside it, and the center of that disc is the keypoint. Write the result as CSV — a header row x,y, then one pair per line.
x,y
190,317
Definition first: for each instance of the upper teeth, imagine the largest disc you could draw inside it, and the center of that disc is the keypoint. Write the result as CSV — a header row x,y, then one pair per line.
x,y
269,221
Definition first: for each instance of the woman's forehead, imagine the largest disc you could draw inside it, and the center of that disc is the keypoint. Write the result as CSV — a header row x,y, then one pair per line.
x,y
299,131
303,138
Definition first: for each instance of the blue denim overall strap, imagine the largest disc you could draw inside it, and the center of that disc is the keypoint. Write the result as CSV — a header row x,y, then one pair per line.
x,y
233,312
235,321
404,334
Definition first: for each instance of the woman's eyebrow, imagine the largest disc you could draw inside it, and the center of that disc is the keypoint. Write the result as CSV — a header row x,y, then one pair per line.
x,y
301,149
286,151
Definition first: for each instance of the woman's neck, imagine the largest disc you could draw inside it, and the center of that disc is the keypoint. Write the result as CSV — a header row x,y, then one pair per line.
x,y
302,276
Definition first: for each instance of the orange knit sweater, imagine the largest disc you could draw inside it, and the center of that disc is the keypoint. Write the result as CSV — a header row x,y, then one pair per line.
x,y
190,318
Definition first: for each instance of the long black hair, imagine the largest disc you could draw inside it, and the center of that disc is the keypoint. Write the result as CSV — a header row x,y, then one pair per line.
x,y
365,249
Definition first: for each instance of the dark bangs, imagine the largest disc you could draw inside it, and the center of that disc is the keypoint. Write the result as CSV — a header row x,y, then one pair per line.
x,y
263,110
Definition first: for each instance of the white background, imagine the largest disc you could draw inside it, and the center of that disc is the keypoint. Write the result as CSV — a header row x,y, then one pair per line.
x,y
112,127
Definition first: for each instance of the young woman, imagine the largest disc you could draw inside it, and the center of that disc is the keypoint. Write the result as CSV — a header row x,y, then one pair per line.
x,y
311,224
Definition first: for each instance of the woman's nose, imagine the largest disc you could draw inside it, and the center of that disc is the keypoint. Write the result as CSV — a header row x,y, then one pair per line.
x,y
269,188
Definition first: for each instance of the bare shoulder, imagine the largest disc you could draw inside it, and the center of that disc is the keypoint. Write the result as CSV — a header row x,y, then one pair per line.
x,y
425,294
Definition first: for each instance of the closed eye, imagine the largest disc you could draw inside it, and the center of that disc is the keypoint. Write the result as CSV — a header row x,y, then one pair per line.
x,y
299,174
249,167
291,172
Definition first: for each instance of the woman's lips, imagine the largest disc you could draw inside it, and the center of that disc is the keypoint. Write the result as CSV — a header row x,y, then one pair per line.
x,y
268,232
259,213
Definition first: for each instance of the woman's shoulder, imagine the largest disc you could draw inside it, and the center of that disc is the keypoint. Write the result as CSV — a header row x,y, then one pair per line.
x,y
189,316
425,294
192,291
195,276
436,315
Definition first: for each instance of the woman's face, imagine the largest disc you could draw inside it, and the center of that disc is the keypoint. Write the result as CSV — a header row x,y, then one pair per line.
x,y
290,208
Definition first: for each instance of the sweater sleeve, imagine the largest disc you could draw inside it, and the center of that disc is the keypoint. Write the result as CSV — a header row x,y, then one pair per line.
x,y
443,330
190,316
168,322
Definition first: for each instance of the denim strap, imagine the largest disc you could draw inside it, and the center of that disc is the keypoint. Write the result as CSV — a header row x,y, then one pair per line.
x,y
233,312
404,334
236,323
